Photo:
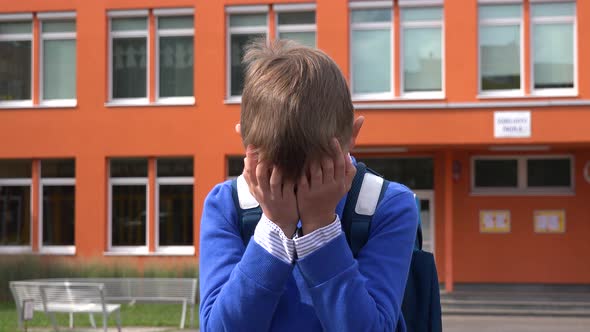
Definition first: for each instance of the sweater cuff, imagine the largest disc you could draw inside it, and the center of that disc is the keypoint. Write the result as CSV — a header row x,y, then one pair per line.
x,y
326,262
270,236
265,269
311,242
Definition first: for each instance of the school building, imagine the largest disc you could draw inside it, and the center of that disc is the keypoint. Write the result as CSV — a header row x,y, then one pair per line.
x,y
117,118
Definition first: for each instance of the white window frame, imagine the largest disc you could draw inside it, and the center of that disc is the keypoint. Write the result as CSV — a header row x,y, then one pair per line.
x,y
20,182
53,249
385,5
237,10
48,17
4,18
522,188
498,22
131,250
128,34
158,13
295,8
434,94
548,21
171,250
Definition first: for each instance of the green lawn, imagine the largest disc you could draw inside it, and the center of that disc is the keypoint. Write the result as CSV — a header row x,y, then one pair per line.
x,y
131,315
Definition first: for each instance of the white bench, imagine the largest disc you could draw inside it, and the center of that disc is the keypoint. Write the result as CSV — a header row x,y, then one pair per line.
x,y
64,297
122,290
77,297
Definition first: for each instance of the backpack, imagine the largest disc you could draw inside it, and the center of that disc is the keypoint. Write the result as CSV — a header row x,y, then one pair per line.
x,y
421,304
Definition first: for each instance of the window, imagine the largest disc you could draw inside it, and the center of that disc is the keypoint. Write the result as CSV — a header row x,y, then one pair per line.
x,y
57,208
500,52
553,51
15,205
371,53
128,55
175,55
128,205
422,51
235,166
245,24
58,56
522,174
296,23
416,173
175,205
16,35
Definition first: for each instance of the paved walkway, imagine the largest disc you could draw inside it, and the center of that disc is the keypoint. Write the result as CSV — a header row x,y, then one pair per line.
x,y
114,329
515,324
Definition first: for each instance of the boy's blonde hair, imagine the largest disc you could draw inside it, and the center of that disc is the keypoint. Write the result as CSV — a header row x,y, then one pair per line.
x,y
295,101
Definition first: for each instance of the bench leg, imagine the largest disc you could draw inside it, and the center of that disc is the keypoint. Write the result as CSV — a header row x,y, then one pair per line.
x,y
183,317
53,321
91,318
105,322
119,320
192,316
71,320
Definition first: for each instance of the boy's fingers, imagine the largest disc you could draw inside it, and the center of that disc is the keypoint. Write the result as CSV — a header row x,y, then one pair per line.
x,y
288,188
327,170
315,174
350,172
339,162
275,182
250,163
263,176
302,183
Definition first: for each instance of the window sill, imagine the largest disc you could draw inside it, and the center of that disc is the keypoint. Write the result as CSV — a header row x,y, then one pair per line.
x,y
15,250
58,250
533,95
43,105
145,103
128,251
554,93
155,253
405,97
175,251
513,193
233,100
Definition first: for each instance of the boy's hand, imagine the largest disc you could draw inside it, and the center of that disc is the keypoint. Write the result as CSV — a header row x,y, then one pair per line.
x,y
328,182
275,195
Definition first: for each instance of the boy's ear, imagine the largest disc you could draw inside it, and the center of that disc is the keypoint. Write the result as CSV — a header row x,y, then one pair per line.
x,y
238,129
356,128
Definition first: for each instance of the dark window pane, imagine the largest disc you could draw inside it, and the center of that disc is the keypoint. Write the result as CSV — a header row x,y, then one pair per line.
x,y
235,166
176,66
129,68
175,167
128,167
15,70
549,172
238,42
176,215
128,215
15,218
58,168
416,173
496,173
15,168
58,215
297,18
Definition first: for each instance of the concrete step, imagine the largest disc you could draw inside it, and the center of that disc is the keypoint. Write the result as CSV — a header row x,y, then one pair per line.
x,y
515,312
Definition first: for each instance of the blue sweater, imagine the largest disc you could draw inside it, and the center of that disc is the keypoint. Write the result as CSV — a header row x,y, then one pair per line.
x,y
248,289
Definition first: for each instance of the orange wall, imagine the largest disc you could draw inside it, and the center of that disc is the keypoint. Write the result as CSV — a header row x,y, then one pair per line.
x,y
92,132
521,255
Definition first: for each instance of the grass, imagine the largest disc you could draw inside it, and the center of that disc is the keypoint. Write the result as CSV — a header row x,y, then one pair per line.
x,y
131,315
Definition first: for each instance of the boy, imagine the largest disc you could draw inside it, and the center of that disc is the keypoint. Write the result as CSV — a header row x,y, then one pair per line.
x,y
297,123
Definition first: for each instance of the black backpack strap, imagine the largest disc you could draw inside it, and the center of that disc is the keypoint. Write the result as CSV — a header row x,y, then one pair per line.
x,y
356,226
418,244
248,217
